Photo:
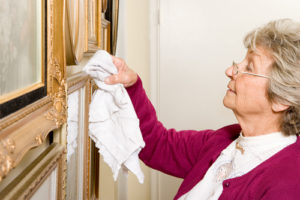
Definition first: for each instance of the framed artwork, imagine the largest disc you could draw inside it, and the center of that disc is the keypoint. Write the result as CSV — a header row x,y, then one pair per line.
x,y
41,179
106,35
79,179
28,125
111,10
102,25
23,60
40,37
94,25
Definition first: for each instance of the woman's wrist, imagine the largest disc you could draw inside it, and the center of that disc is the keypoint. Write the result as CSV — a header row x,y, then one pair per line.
x,y
134,80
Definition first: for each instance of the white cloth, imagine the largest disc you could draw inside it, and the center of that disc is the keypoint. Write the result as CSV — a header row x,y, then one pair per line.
x,y
232,163
113,123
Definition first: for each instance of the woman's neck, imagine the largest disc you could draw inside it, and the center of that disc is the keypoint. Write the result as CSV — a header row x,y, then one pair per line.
x,y
257,125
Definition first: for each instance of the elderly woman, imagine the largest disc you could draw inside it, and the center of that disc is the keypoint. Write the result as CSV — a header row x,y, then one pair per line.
x,y
258,158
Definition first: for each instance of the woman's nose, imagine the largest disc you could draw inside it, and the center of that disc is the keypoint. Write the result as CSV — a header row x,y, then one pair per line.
x,y
229,72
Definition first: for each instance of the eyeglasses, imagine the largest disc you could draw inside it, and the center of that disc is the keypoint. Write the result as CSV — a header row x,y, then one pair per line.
x,y
236,70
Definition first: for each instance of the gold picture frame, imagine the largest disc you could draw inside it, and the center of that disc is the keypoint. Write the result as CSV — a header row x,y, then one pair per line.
x,y
115,22
94,21
29,126
103,25
22,76
76,28
110,18
24,186
106,33
77,82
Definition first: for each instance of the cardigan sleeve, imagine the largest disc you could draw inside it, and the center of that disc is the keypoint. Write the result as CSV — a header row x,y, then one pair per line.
x,y
167,150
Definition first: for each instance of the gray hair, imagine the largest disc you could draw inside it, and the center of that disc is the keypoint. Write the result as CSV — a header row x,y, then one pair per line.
x,y
282,39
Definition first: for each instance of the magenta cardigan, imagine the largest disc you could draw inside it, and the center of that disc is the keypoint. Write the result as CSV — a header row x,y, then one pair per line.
x,y
189,154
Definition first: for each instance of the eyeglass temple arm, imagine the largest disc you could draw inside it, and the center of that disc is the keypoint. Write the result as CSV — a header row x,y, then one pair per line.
x,y
255,74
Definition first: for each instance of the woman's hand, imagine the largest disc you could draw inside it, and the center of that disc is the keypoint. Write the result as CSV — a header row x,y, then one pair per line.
x,y
125,75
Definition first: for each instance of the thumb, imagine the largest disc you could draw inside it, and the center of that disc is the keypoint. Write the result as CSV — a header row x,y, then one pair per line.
x,y
113,79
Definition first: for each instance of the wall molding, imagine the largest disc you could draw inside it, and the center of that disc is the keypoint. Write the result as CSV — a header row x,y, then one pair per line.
x,y
154,79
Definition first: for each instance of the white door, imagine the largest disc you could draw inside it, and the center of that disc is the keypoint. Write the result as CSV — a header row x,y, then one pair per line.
x,y
197,40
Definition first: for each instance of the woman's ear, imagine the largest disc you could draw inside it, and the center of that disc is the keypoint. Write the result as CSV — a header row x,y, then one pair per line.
x,y
279,107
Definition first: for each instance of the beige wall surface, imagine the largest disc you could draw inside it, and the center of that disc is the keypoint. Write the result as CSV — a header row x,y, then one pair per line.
x,y
133,46
138,59
138,39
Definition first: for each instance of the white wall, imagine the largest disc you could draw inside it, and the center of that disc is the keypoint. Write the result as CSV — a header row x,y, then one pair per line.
x,y
199,39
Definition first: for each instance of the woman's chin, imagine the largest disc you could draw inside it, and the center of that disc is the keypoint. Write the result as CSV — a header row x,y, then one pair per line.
x,y
228,103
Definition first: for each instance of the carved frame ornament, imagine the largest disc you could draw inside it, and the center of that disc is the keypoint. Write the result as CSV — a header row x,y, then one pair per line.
x,y
29,126
24,186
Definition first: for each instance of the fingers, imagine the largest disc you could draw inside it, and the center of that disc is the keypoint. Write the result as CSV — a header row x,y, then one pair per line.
x,y
113,79
118,62
125,75
126,80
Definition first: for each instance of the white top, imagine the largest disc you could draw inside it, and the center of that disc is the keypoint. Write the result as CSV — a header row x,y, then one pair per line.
x,y
232,162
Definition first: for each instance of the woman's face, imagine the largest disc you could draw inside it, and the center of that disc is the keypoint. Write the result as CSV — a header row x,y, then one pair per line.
x,y
247,94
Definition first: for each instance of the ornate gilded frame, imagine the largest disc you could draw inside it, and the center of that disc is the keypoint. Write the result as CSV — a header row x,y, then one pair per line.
x,y
29,181
74,83
94,21
79,33
110,18
19,98
115,22
29,126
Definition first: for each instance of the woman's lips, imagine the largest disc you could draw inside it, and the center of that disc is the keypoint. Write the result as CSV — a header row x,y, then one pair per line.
x,y
230,90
